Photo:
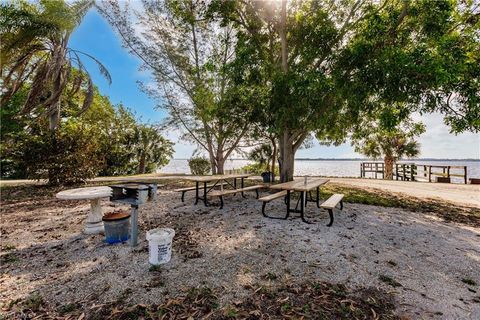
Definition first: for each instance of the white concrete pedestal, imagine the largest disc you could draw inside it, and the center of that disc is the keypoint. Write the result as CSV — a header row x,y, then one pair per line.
x,y
94,223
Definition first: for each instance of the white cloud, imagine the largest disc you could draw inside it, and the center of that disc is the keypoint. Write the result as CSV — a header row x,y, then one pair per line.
x,y
438,142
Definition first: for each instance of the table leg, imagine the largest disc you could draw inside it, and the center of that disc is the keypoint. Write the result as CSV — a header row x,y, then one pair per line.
x,y
134,226
318,197
303,201
205,194
196,192
241,185
288,204
94,223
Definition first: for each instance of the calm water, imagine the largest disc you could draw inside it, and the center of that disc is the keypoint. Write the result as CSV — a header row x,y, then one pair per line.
x,y
334,168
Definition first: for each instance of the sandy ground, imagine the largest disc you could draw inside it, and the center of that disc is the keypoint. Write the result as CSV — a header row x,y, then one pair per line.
x,y
231,249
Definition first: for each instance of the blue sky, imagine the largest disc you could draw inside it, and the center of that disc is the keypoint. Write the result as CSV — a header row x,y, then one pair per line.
x,y
96,37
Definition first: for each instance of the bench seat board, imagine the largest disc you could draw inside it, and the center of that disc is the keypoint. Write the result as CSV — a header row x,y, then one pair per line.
x,y
273,196
193,188
332,202
218,193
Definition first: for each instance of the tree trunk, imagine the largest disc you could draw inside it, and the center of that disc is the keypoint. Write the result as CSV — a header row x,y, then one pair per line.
x,y
274,156
141,165
213,165
220,165
54,117
287,151
287,157
388,163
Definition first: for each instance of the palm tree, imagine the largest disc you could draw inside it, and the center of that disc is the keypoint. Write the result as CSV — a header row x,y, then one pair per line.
x,y
37,55
392,142
152,149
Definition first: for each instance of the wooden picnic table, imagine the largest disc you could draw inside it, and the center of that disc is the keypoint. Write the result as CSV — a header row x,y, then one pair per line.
x,y
204,180
303,187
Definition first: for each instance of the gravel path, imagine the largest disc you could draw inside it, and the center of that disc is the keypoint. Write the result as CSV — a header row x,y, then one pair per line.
x,y
431,267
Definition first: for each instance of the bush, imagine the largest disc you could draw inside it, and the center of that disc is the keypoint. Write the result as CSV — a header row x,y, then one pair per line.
x,y
257,168
199,165
66,156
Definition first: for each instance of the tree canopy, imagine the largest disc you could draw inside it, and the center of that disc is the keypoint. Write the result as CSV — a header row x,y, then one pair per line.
x,y
320,66
188,52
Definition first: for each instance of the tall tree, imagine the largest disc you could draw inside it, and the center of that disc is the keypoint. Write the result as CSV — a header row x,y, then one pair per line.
x,y
38,55
188,54
326,62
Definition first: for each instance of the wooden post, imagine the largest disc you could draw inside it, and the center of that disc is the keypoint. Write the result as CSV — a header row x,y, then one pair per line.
x,y
448,171
396,171
376,170
429,173
413,172
465,172
361,170
404,173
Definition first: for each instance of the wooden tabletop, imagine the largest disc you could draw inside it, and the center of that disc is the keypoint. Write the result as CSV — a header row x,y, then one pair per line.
x,y
215,177
299,185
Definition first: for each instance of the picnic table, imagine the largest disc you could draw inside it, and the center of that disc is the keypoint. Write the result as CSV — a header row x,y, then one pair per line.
x,y
94,223
202,181
304,187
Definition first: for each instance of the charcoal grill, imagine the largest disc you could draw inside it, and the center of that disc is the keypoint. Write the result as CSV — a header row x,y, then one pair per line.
x,y
134,194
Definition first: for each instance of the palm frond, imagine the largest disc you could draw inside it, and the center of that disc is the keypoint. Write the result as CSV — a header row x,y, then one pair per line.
x,y
103,70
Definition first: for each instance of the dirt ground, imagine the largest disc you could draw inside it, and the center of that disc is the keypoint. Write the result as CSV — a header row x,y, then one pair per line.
x,y
430,266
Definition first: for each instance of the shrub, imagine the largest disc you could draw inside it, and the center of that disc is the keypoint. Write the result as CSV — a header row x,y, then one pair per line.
x,y
66,156
199,165
258,168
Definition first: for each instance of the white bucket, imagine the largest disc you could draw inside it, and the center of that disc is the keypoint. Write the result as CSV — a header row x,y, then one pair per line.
x,y
160,245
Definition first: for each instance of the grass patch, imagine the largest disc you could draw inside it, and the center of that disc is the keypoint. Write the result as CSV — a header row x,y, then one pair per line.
x,y
8,247
9,257
68,308
392,263
33,302
270,276
390,281
469,281
155,268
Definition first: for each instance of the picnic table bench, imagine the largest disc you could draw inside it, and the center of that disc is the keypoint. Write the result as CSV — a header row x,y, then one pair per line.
x,y
267,199
221,193
331,203
207,183
186,189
